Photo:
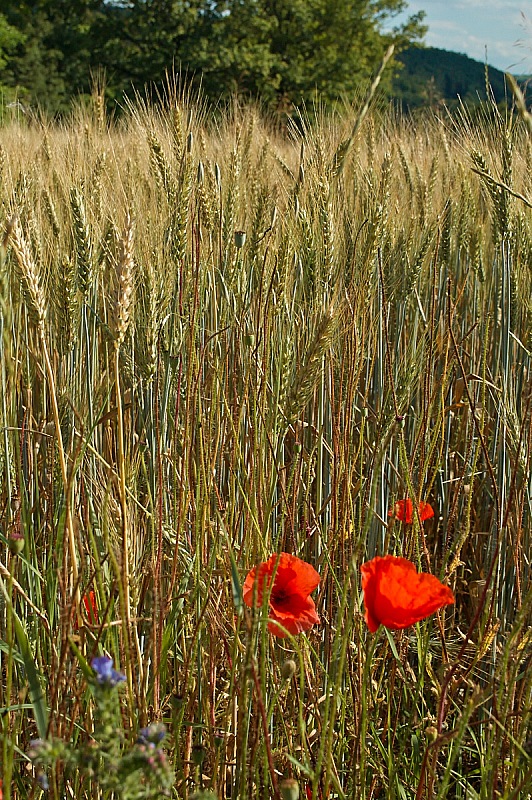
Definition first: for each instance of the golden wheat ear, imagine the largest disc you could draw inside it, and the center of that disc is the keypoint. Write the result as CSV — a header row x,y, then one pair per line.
x,y
28,273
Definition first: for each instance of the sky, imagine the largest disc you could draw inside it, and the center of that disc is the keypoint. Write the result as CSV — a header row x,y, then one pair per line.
x,y
503,27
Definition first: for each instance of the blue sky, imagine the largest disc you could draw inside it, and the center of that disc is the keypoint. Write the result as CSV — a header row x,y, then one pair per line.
x,y
504,27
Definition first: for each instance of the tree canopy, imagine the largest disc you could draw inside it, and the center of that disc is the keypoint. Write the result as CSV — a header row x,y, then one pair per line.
x,y
282,51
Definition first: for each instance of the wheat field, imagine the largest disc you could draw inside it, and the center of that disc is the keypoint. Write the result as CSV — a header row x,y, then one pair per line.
x,y
223,338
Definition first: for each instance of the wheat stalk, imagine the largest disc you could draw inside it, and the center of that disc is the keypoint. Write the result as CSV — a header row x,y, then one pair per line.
x,y
37,304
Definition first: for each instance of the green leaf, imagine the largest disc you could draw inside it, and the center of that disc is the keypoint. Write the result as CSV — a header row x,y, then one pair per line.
x,y
83,663
236,588
40,711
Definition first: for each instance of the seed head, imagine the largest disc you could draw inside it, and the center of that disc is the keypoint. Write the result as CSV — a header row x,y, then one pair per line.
x,y
289,789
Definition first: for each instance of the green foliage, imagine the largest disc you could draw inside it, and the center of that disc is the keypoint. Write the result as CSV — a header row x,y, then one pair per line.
x,y
52,62
282,51
292,51
107,764
10,38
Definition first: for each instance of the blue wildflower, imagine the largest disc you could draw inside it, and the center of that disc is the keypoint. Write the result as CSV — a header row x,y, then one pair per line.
x,y
105,674
42,780
153,734
36,748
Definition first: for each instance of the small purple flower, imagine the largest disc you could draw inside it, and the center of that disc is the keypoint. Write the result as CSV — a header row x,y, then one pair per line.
x,y
36,750
105,674
42,780
153,734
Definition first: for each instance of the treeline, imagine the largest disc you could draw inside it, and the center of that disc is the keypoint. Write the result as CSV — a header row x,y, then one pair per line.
x,y
431,77
285,52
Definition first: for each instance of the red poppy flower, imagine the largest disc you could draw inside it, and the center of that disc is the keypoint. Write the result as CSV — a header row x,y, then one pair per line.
x,y
290,602
308,792
397,596
89,601
404,511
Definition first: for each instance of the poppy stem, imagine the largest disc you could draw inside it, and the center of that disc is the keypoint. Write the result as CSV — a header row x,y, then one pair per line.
x,y
264,720
365,694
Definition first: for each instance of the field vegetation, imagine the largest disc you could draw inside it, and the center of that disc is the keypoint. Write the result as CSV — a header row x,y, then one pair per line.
x,y
222,339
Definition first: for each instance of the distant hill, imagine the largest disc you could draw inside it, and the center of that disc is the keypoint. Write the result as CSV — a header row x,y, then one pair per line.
x,y
430,76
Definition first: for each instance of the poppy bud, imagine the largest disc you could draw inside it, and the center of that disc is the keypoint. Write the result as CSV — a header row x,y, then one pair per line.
x,y
289,789
431,733
198,754
288,669
240,239
16,544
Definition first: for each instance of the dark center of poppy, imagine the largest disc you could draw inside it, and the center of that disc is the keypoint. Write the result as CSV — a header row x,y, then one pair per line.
x,y
279,597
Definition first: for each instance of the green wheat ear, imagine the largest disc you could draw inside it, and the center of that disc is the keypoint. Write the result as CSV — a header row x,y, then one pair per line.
x,y
82,242
51,212
161,169
68,302
308,375
125,276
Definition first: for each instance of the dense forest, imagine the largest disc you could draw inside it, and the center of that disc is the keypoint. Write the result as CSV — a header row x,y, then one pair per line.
x,y
281,51
429,77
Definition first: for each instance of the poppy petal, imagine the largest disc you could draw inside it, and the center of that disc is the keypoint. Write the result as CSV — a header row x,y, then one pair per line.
x,y
397,596
89,601
260,575
300,617
303,578
403,510
293,574
425,510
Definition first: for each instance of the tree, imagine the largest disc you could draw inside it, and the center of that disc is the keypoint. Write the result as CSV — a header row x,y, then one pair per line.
x,y
138,41
294,49
283,51
10,38
52,61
